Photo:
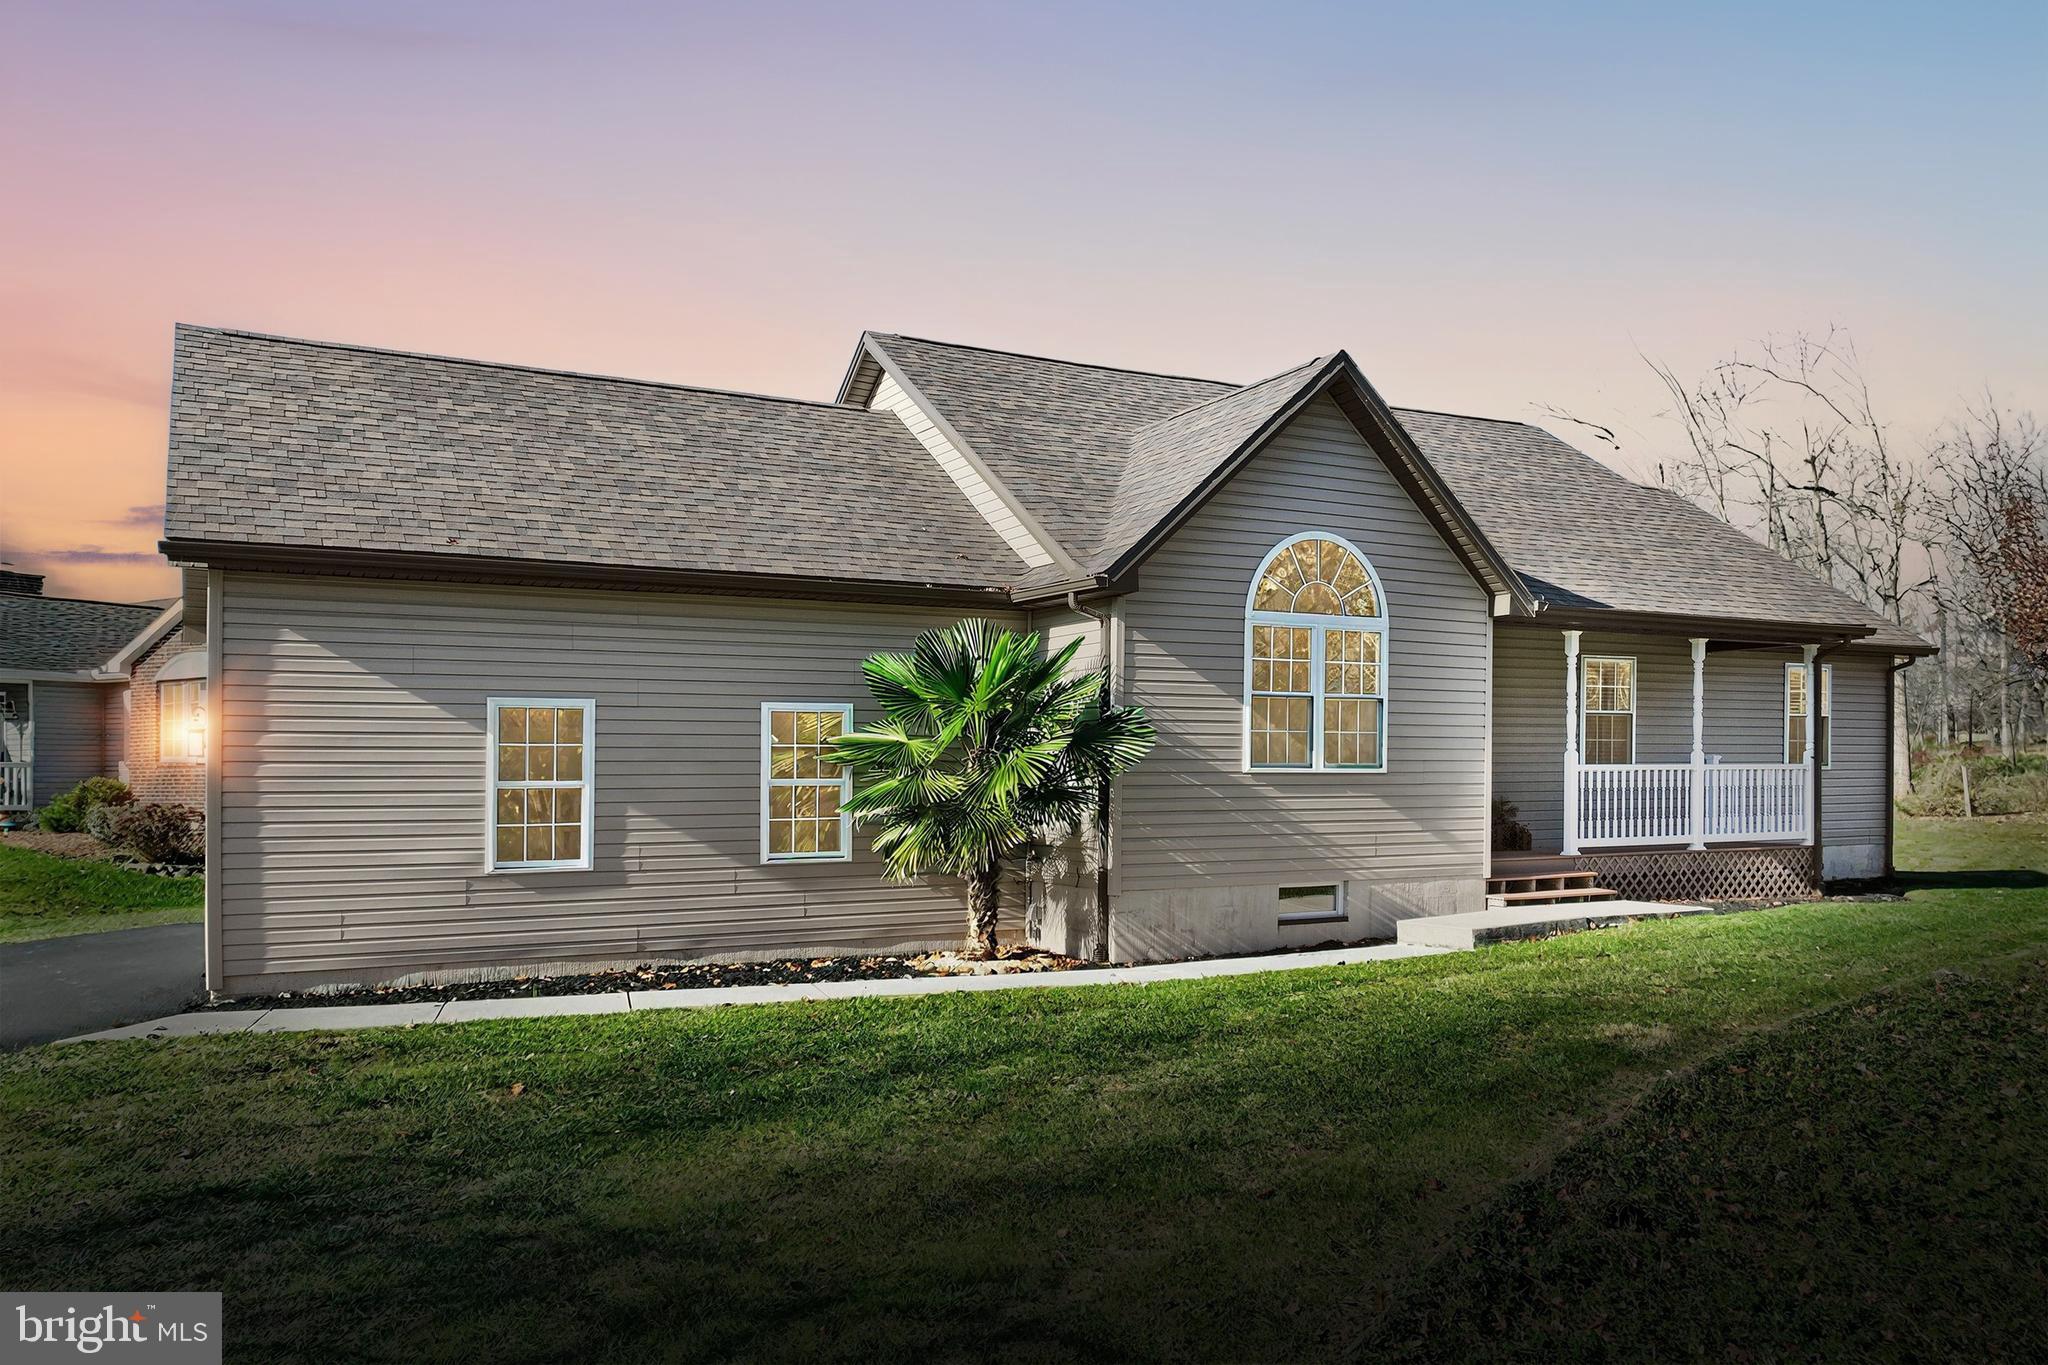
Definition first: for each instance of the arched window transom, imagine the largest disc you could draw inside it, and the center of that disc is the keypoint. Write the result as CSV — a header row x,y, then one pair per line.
x,y
1316,659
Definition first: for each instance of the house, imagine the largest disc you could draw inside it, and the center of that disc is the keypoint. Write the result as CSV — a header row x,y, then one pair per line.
x,y
519,668
96,689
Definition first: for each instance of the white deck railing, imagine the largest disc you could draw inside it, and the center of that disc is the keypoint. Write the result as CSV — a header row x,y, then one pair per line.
x,y
16,790
1651,803
1757,801
1635,803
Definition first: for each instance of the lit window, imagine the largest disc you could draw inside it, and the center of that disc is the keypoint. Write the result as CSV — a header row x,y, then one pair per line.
x,y
1315,660
1795,714
181,721
543,753
802,789
1610,710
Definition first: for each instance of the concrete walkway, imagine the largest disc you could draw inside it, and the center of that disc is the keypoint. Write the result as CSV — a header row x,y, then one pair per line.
x,y
1426,937
548,1006
56,987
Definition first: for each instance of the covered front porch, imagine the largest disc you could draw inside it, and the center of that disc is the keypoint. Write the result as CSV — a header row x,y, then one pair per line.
x,y
17,772
1636,752
1703,800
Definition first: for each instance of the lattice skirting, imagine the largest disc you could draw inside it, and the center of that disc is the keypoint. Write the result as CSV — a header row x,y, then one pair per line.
x,y
1778,873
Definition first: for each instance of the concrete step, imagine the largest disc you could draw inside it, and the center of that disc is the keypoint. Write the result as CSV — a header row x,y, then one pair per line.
x,y
1481,927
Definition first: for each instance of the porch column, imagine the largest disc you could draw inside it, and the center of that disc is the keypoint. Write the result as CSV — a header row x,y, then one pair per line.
x,y
1699,742
1807,653
1571,741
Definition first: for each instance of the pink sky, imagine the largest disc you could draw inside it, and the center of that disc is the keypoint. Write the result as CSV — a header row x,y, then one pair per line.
x,y
1490,211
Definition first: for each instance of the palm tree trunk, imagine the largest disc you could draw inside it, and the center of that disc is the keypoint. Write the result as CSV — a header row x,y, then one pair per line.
x,y
984,900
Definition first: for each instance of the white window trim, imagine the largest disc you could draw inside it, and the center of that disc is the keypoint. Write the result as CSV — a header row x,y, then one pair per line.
x,y
588,784
1827,708
1254,617
205,735
1635,691
1342,910
845,853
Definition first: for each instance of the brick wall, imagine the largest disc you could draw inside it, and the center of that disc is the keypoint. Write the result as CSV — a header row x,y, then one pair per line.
x,y
152,780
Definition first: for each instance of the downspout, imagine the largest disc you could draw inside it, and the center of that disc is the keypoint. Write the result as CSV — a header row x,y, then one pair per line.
x,y
1813,696
1891,756
1102,794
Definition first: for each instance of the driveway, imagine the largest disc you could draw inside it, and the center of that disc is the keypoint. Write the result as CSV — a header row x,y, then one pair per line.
x,y
58,987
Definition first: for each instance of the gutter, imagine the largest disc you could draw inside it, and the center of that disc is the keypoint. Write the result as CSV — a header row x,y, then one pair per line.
x,y
1891,741
1104,794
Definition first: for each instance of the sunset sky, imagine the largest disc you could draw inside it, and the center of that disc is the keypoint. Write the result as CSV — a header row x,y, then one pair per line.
x,y
1491,207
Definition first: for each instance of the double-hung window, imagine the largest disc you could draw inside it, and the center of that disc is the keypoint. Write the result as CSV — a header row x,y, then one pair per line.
x,y
1795,715
802,789
1609,689
1315,660
543,755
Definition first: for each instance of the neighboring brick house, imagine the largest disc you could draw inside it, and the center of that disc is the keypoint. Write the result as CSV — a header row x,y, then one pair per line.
x,y
96,689
163,762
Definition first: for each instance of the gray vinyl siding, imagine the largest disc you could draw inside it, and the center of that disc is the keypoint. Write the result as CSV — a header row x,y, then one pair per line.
x,y
1855,792
70,736
1744,722
1190,814
353,801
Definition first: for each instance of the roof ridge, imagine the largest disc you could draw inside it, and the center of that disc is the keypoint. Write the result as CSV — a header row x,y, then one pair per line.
x,y
84,601
667,385
1059,360
1233,393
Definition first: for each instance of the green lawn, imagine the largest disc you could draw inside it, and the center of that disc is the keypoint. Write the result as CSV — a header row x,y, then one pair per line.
x,y
42,896
1268,1167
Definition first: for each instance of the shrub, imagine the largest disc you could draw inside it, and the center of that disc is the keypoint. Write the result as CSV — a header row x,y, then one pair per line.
x,y
1996,787
67,814
62,815
1510,835
104,822
162,834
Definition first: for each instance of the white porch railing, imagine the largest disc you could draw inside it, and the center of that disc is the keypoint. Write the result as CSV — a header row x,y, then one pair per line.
x,y
1651,803
1635,803
16,790
1757,801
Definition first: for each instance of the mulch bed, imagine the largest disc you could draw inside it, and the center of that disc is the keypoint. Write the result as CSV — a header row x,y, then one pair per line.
x,y
79,845
706,975
674,976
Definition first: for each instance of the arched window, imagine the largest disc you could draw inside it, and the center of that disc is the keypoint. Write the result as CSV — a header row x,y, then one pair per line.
x,y
1316,659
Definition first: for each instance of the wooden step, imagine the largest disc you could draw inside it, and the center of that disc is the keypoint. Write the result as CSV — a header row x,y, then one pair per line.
x,y
1537,881
1559,893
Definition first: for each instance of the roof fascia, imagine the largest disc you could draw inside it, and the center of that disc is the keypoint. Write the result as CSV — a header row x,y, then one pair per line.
x,y
1712,628
1408,466
1046,540
166,621
852,390
428,566
83,675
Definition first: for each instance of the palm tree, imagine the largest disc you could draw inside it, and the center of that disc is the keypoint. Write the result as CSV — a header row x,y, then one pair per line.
x,y
987,744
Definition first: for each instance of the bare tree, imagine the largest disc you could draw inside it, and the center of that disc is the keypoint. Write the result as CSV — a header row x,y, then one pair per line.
x,y
1990,507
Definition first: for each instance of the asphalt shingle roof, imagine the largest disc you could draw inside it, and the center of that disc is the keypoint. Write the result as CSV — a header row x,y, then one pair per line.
x,y
293,443
1579,534
65,634
283,442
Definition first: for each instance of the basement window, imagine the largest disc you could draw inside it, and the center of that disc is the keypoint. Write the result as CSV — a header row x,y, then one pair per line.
x,y
1311,904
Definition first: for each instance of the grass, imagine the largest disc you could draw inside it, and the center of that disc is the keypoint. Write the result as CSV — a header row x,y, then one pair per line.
x,y
43,896
1271,1167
